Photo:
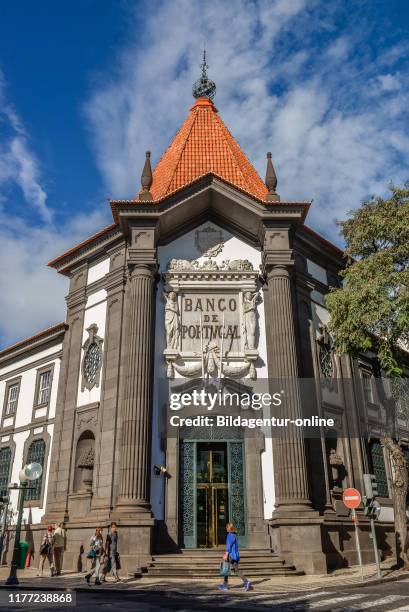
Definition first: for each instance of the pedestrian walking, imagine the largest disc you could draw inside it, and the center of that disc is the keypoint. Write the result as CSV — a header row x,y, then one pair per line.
x,y
232,555
59,547
96,548
46,551
111,554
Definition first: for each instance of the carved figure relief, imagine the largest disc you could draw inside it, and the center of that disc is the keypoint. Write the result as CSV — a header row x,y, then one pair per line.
x,y
172,320
250,321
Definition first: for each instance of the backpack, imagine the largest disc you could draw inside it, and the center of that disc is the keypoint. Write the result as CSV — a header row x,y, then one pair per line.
x,y
44,549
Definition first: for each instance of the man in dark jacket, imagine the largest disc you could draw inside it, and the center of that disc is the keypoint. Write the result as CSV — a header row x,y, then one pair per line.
x,y
111,554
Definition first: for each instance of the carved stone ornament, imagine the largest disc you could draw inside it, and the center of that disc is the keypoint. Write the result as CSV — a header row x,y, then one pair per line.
x,y
86,461
92,359
235,265
325,352
211,318
87,418
209,241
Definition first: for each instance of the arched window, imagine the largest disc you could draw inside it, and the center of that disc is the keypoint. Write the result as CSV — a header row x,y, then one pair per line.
x,y
5,460
36,453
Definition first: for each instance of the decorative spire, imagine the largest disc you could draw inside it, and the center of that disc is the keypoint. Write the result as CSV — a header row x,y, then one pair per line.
x,y
146,179
271,181
204,87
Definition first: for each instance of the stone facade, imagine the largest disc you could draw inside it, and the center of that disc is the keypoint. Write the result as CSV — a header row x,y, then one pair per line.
x,y
197,241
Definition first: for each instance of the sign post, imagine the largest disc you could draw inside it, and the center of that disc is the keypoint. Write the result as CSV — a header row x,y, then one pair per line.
x,y
352,499
372,510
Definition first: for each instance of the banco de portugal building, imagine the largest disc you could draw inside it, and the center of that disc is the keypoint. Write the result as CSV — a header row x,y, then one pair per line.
x,y
207,273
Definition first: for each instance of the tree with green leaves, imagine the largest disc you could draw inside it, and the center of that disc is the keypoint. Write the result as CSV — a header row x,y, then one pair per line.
x,y
370,312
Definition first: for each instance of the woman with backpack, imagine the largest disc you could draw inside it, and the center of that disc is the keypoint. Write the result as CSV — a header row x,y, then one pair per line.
x,y
46,552
96,548
232,556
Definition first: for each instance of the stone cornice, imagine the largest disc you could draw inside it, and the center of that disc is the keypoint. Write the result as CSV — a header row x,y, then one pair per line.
x,y
115,280
38,342
32,365
307,242
305,279
77,299
10,431
88,249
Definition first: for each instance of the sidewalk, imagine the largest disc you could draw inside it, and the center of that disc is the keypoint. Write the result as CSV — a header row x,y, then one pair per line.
x,y
343,578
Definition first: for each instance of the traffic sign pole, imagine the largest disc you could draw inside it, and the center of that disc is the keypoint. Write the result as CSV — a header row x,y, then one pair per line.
x,y
375,548
352,499
358,544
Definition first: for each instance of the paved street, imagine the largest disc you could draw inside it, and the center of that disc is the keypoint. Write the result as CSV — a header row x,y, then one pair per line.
x,y
391,596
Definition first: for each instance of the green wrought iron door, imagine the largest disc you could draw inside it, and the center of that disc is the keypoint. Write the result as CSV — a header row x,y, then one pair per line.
x,y
212,492
237,491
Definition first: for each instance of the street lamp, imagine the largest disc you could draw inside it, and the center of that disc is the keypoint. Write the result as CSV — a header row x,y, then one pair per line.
x,y
28,473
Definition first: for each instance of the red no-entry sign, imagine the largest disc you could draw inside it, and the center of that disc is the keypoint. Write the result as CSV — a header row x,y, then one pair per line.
x,y
351,498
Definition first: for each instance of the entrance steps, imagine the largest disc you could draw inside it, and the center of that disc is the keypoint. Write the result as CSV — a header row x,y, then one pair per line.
x,y
204,563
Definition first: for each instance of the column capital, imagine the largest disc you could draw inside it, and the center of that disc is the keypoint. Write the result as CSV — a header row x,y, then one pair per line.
x,y
279,270
138,269
142,251
277,249
277,263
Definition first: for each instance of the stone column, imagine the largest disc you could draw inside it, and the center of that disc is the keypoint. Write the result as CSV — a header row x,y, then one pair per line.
x,y
295,525
289,450
137,399
106,469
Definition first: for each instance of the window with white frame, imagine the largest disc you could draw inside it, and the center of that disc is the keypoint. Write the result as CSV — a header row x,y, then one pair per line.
x,y
44,383
12,399
5,461
36,453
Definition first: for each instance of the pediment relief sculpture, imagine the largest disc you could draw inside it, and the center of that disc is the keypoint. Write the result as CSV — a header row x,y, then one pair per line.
x,y
209,241
211,321
195,266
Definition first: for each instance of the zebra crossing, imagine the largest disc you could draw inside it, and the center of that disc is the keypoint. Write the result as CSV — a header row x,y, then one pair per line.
x,y
322,600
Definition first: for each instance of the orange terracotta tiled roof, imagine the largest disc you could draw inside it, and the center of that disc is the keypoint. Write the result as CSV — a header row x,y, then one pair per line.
x,y
204,145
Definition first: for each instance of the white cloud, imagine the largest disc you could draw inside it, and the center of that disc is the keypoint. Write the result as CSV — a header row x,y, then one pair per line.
x,y
18,163
334,136
332,114
148,97
32,295
389,82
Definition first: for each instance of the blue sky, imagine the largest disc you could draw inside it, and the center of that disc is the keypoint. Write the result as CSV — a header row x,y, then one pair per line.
x,y
86,86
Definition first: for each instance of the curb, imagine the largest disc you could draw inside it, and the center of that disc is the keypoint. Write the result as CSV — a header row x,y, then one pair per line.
x,y
168,592
373,582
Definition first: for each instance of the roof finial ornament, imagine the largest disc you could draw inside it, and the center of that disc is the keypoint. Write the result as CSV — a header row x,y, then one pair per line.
x,y
146,179
271,181
204,87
